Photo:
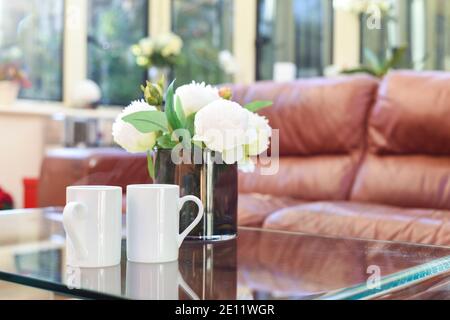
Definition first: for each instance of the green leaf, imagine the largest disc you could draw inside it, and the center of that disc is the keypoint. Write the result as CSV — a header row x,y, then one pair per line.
x,y
374,63
360,70
258,105
190,125
166,142
396,59
180,112
171,115
150,165
148,121
183,136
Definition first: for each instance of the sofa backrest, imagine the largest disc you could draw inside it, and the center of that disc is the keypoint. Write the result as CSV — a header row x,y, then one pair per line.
x,y
322,133
408,159
99,166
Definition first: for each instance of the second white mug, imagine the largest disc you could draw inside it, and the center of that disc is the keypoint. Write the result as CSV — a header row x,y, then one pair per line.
x,y
153,218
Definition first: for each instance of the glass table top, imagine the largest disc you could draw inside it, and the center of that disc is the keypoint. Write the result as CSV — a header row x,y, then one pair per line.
x,y
257,265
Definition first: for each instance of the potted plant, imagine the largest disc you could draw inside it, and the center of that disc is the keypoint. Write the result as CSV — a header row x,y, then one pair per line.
x,y
158,54
197,138
379,67
12,78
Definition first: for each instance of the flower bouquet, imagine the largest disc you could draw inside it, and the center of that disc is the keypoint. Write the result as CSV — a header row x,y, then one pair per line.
x,y
158,54
196,137
12,78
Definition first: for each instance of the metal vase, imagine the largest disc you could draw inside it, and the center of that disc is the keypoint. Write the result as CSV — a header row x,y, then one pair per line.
x,y
215,184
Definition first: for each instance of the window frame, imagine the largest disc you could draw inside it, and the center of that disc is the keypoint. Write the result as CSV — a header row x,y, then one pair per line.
x,y
405,8
74,49
173,25
144,75
260,42
61,55
244,48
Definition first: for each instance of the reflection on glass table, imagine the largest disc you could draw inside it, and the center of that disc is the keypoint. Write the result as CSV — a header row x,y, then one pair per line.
x,y
257,265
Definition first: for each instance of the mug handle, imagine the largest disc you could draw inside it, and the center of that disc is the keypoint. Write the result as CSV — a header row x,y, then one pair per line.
x,y
197,219
71,223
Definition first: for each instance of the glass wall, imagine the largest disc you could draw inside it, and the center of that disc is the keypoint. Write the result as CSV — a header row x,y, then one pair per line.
x,y
299,32
31,33
422,26
294,31
206,27
113,26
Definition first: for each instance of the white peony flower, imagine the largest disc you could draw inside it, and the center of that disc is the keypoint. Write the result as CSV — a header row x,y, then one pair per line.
x,y
246,165
222,125
127,136
258,134
195,96
146,46
228,62
233,155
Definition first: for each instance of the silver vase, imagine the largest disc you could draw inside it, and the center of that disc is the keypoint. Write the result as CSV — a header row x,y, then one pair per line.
x,y
215,184
156,73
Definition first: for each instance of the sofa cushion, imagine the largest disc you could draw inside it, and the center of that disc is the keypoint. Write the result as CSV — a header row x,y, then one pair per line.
x,y
254,208
412,114
307,178
368,221
316,116
408,163
407,181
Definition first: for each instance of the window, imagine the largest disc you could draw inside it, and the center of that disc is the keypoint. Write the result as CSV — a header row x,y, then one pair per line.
x,y
113,26
206,27
423,26
391,33
36,29
295,31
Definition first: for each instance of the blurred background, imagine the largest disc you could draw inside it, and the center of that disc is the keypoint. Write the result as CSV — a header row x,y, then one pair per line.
x,y
67,65
62,42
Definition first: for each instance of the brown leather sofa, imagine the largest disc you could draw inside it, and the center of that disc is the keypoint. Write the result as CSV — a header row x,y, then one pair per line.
x,y
359,157
101,166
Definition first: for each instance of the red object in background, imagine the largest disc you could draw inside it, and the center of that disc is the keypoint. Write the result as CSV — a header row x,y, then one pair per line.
x,y
30,187
6,201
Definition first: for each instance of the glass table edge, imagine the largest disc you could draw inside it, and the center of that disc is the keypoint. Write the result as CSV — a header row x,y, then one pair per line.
x,y
56,288
392,282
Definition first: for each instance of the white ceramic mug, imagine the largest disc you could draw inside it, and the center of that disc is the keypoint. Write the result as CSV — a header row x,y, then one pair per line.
x,y
155,281
92,219
153,219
